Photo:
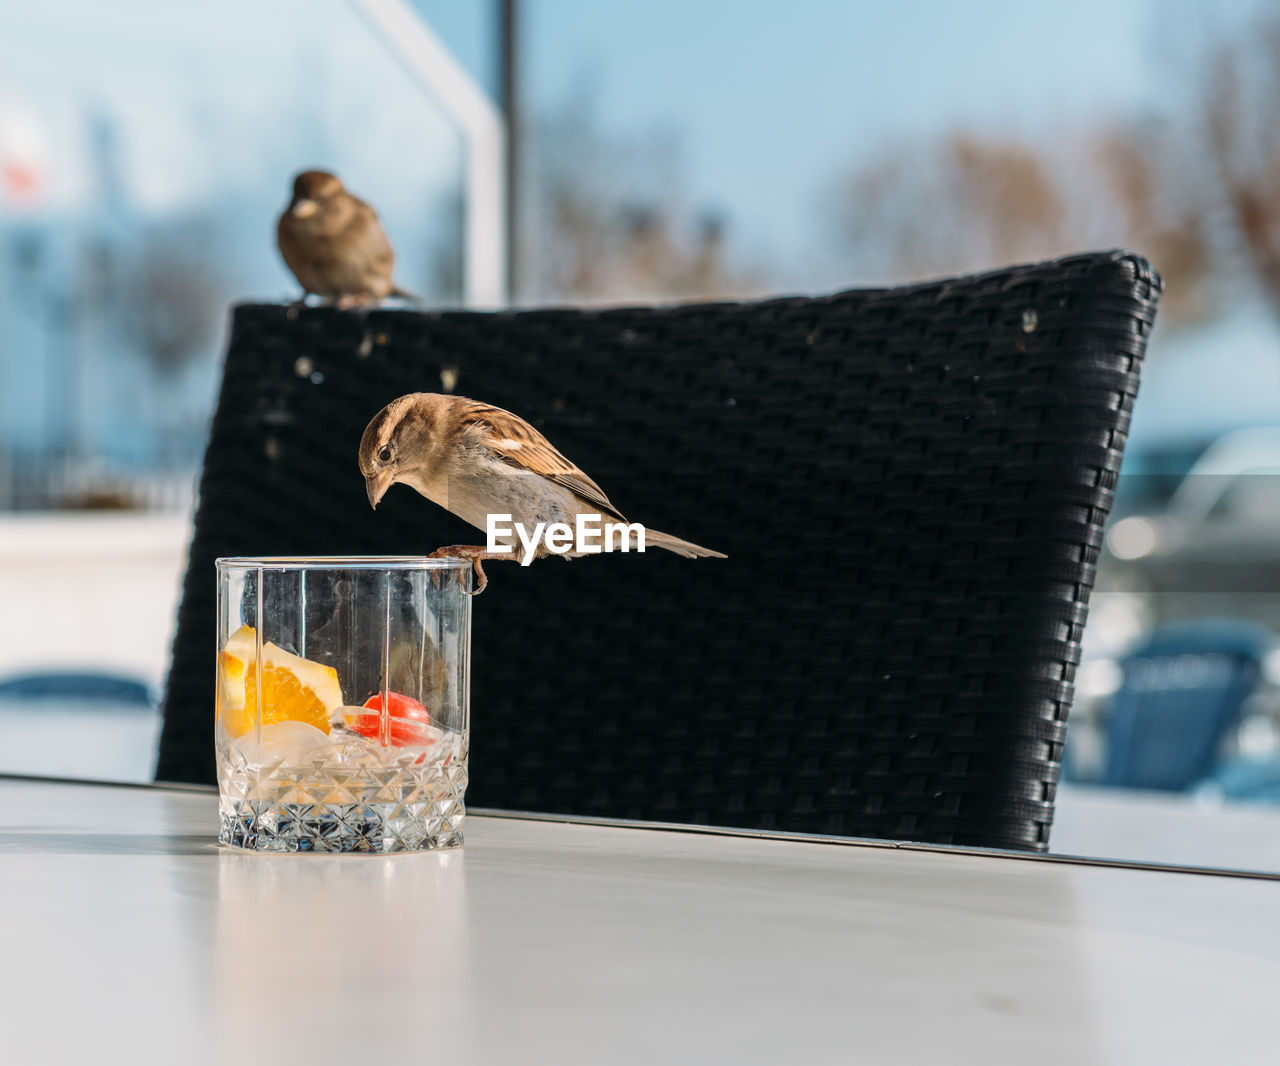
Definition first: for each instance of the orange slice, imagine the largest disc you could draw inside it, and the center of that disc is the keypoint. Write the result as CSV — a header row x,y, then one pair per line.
x,y
236,654
294,689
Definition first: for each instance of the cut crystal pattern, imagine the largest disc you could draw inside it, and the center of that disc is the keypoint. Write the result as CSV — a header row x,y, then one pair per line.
x,y
345,797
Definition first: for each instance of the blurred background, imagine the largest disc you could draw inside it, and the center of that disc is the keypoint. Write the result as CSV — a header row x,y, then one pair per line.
x,y
564,151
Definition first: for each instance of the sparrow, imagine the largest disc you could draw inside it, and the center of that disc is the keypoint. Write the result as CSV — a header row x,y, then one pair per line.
x,y
334,243
474,460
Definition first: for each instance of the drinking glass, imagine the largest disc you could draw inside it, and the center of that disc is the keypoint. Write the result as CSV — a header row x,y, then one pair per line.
x,y
342,702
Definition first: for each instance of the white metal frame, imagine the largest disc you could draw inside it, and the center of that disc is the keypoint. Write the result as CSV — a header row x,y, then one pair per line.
x,y
484,133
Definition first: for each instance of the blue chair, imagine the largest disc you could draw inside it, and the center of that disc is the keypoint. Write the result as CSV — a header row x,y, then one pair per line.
x,y
1182,693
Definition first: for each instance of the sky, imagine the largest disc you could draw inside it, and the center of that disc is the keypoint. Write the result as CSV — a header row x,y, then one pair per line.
x,y
771,97
766,99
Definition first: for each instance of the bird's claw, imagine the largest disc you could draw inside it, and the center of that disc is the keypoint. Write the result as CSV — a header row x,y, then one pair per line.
x,y
477,556
484,581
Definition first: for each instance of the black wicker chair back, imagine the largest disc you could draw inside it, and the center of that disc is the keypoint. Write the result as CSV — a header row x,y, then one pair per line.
x,y
911,485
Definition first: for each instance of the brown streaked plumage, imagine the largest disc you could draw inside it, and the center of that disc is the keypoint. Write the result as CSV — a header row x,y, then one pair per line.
x,y
474,460
334,243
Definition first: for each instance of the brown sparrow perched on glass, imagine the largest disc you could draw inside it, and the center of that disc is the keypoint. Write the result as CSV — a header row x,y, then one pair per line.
x,y
476,460
334,243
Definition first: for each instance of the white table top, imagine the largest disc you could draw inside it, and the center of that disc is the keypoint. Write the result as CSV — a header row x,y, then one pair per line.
x,y
129,936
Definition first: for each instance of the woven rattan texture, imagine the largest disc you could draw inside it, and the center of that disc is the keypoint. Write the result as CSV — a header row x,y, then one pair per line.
x,y
911,485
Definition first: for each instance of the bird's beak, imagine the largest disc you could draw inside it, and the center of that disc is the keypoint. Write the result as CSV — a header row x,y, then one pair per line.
x,y
376,486
304,208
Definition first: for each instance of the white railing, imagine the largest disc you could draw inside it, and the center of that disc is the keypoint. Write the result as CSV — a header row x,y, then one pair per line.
x,y
484,131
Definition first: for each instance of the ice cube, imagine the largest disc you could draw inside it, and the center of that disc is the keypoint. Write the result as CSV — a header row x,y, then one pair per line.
x,y
283,743
350,749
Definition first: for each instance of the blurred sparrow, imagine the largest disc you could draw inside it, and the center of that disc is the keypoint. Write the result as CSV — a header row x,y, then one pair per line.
x,y
476,460
334,243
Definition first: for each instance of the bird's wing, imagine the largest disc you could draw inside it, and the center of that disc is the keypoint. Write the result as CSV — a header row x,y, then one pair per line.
x,y
514,441
295,257
371,239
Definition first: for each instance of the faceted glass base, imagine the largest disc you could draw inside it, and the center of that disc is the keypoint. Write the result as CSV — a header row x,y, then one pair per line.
x,y
317,805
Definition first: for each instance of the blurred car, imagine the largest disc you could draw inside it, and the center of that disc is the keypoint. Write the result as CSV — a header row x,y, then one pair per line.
x,y
1152,473
1213,550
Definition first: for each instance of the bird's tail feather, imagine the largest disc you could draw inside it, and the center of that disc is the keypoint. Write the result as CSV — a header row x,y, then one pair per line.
x,y
652,538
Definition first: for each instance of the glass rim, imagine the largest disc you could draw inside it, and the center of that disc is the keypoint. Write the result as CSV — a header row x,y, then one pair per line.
x,y
339,562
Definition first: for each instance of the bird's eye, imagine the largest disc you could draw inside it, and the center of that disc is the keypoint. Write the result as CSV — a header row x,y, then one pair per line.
x,y
384,454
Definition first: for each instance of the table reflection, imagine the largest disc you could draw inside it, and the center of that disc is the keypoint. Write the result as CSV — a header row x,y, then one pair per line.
x,y
359,937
